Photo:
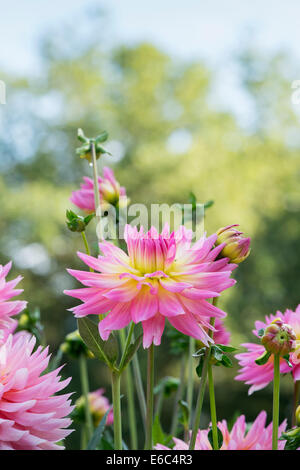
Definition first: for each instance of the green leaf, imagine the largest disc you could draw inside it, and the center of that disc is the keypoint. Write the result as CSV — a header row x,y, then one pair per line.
x,y
208,204
192,199
220,438
132,350
287,360
158,436
263,359
111,348
226,361
184,408
200,367
96,437
217,353
102,137
226,348
88,218
89,333
200,352
292,437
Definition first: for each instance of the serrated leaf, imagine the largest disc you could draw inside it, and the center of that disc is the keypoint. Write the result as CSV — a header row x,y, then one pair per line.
x,y
132,350
220,438
88,331
96,437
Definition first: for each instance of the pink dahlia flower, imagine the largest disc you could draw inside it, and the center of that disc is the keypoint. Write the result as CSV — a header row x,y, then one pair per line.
x,y
221,335
257,437
110,192
163,276
260,376
31,417
9,308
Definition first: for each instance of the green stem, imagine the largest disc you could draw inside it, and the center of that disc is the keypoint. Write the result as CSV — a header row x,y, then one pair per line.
x,y
159,403
295,401
85,392
178,396
201,392
87,248
126,345
200,400
83,440
190,382
130,393
96,188
115,382
276,387
139,387
150,384
213,412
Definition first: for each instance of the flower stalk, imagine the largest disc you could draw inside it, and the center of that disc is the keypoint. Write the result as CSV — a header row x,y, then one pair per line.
x,y
130,391
276,389
150,385
85,392
295,401
96,187
116,399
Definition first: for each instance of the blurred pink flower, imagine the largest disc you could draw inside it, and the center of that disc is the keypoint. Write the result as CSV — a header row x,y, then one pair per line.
x,y
258,436
163,276
31,418
99,405
110,192
260,376
9,308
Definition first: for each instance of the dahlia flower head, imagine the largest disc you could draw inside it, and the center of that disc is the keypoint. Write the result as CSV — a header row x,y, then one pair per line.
x,y
259,376
257,437
31,418
111,193
163,276
9,308
99,405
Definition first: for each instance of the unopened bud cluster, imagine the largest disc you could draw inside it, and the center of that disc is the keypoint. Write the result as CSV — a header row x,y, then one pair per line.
x,y
237,247
279,338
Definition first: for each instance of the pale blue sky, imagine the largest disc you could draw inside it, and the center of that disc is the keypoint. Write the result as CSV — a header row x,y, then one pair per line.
x,y
189,28
210,30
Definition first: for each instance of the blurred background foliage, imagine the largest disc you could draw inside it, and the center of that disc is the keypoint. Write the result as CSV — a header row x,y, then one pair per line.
x,y
166,139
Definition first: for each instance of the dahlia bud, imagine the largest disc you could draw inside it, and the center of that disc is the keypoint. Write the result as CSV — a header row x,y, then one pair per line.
x,y
98,404
74,347
85,150
279,338
237,247
77,223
